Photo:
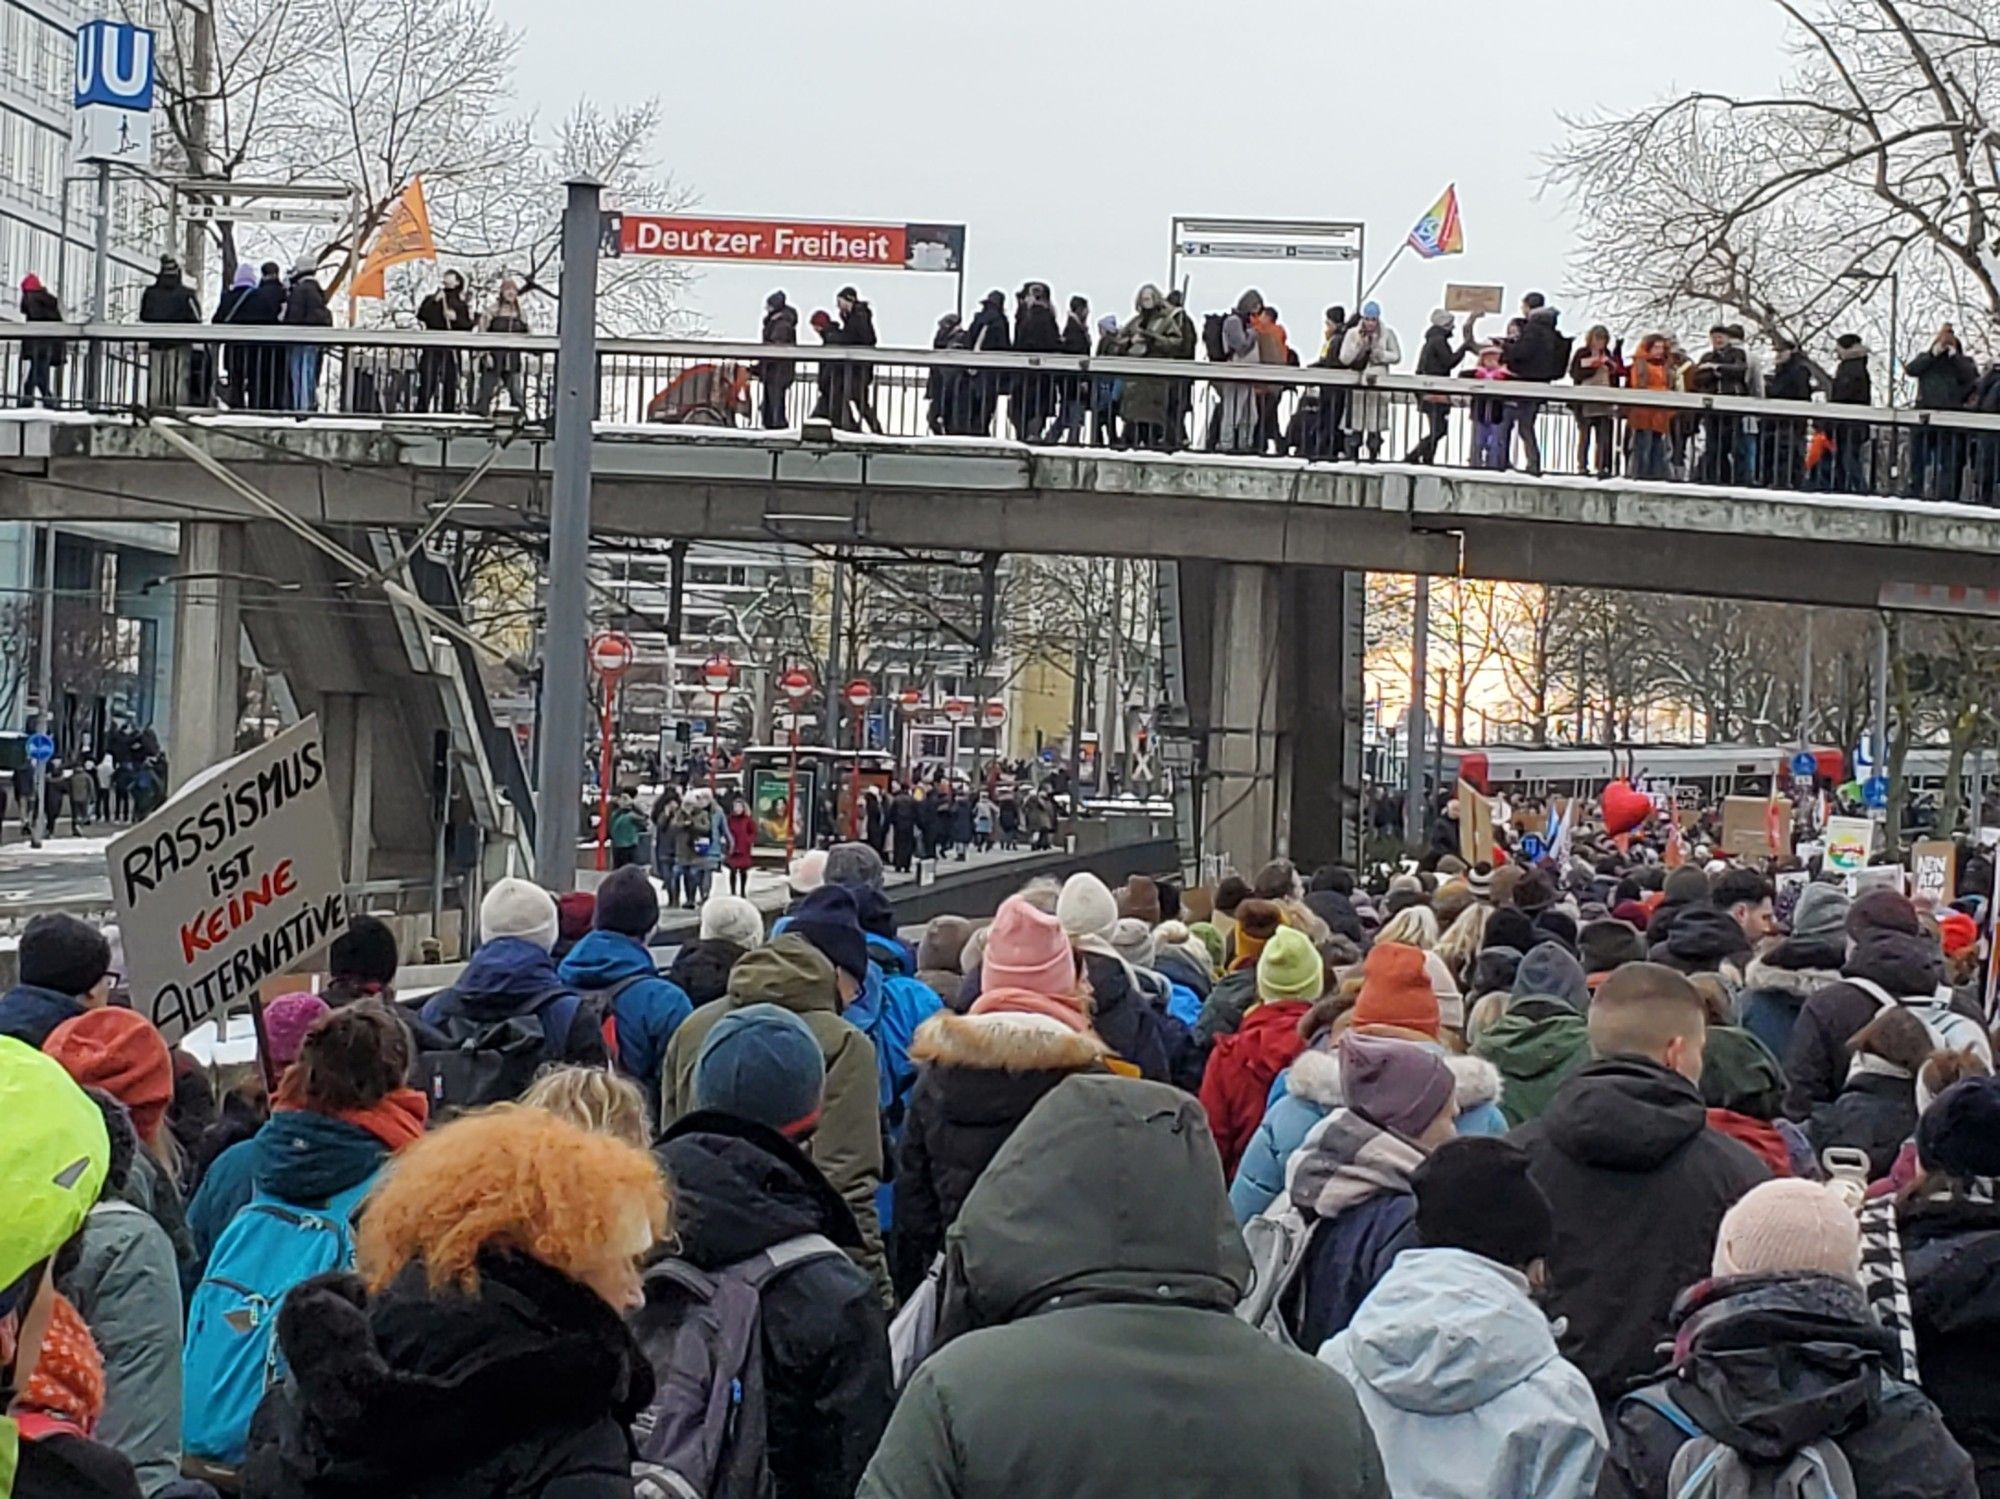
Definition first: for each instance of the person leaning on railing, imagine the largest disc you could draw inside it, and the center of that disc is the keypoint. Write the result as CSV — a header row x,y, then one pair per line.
x,y
169,365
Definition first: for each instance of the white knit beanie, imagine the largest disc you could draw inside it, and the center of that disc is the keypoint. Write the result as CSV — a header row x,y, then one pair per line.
x,y
519,908
1789,1224
1085,907
1175,936
1134,941
731,918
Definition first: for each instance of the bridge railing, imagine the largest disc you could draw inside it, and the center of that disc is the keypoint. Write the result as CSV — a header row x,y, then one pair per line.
x,y
1145,404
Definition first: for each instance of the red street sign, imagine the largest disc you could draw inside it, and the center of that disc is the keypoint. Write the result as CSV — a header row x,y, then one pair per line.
x,y
956,710
611,653
996,712
796,683
859,693
717,672
910,699
904,247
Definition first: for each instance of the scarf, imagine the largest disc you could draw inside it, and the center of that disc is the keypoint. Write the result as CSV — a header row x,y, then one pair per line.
x,y
1028,1004
1345,1160
66,1391
396,1121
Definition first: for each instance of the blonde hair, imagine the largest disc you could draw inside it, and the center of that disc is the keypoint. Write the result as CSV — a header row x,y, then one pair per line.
x,y
506,1178
1463,939
593,1098
1413,926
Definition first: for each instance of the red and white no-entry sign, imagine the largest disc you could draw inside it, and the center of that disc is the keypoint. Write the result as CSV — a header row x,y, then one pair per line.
x,y
910,699
996,713
796,683
611,653
956,710
717,673
859,693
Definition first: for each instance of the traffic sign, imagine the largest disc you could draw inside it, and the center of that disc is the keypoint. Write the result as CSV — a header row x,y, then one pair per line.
x,y
612,653
1804,763
956,710
1875,792
717,673
796,683
859,693
996,713
41,748
910,699
112,101
1533,847
265,213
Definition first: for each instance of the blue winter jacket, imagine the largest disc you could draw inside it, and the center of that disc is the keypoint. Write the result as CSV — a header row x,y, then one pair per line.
x,y
1457,1371
646,1013
504,979
891,1005
29,1012
1301,1097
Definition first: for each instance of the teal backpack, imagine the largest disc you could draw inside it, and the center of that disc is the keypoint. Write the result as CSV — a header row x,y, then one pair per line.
x,y
231,1356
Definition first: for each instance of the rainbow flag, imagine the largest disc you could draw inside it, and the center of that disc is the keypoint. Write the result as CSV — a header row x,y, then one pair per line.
x,y
1439,231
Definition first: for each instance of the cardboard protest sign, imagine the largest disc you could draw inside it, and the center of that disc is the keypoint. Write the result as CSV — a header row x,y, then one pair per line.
x,y
235,879
1746,828
1933,871
1467,297
1475,825
1875,877
1849,841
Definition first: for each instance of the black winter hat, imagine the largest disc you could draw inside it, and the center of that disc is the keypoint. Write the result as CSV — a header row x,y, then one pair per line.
x,y
1535,892
627,904
1558,927
1882,911
1605,945
1959,1134
1474,1193
64,954
701,969
830,921
1494,969
1337,911
1508,927
1701,938
365,951
876,915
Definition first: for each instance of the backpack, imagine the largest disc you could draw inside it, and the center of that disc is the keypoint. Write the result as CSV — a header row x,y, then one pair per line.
x,y
494,1061
913,1333
1950,1029
1704,1468
231,1353
604,1002
705,1435
1278,1239
1211,338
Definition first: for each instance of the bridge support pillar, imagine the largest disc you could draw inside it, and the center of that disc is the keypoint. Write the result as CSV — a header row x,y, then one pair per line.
x,y
208,648
1275,696
348,727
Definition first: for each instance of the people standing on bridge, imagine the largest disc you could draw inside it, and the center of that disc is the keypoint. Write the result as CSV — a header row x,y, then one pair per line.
x,y
235,308
1946,379
857,331
1723,371
1440,356
1852,386
1600,364
987,333
169,366
1072,391
1035,332
1157,330
40,357
305,307
439,377
1237,432
1105,390
1539,352
781,330
1370,347
1650,426
502,371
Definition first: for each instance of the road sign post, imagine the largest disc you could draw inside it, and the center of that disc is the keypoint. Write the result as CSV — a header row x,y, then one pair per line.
x,y
859,693
718,673
611,656
797,685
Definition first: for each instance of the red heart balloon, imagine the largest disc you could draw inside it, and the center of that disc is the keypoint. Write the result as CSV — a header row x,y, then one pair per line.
x,y
1624,808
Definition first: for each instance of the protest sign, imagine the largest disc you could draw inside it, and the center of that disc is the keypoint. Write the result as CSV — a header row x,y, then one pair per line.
x,y
1785,899
1849,841
1746,828
235,879
1475,825
1875,877
1933,871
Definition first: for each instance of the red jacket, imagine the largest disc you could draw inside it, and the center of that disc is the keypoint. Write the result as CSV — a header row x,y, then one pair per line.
x,y
1241,1070
1756,1135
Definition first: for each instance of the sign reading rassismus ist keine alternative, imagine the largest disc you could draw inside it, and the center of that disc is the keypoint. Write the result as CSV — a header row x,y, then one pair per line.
x,y
235,879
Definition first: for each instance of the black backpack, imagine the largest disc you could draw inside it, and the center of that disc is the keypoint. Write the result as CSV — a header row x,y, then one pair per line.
x,y
1211,338
493,1061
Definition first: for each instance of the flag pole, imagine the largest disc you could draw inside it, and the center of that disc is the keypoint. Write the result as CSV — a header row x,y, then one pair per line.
x,y
1387,266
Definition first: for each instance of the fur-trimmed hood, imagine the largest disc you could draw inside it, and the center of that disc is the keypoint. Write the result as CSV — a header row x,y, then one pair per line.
x,y
1315,1077
1005,1043
1800,983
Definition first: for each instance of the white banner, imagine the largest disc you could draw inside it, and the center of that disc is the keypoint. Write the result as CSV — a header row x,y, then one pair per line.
x,y
235,879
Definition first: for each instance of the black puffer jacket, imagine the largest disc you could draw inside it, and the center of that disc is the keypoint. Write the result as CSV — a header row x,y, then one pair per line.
x,y
1874,1112
1816,1062
526,1387
739,1189
1951,1253
1127,1022
981,1074
1767,1365
1639,1184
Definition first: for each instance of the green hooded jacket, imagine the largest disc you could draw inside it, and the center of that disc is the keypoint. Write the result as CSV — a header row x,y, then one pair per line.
x,y
1097,1266
1536,1045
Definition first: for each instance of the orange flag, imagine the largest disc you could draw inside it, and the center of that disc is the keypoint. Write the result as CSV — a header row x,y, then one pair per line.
x,y
405,235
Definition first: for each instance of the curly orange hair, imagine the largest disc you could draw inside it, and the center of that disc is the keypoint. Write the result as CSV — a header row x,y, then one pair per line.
x,y
509,1178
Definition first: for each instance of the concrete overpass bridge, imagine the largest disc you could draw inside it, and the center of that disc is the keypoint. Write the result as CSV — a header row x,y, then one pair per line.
x,y
1265,549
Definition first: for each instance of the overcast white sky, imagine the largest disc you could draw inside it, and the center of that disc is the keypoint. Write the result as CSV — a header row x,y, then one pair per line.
x,y
1067,133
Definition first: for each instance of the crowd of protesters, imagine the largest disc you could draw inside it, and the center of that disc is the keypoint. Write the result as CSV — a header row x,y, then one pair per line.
x,y
1584,1177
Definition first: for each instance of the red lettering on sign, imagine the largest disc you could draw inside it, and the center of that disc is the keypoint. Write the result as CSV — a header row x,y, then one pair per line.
x,y
789,242
208,929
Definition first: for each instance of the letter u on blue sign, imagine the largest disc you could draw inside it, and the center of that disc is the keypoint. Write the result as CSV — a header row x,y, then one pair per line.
x,y
114,65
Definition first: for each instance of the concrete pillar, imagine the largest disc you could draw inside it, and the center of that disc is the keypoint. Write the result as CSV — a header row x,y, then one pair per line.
x,y
1276,692
208,645
347,724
